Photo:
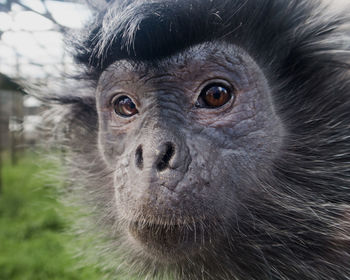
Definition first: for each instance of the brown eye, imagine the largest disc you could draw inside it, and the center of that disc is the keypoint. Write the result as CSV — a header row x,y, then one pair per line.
x,y
213,96
124,106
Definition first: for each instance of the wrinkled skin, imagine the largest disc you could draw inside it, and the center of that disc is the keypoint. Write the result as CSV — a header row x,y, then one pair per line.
x,y
196,190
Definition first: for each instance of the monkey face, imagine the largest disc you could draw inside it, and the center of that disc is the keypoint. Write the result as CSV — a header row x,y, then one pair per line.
x,y
222,129
170,131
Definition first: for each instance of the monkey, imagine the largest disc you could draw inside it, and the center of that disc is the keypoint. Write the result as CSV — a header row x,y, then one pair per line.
x,y
210,139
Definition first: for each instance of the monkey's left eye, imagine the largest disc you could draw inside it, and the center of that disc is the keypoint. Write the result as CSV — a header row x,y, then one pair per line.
x,y
124,106
213,96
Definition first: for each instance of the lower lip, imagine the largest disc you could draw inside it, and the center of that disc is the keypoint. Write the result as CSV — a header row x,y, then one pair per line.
x,y
166,240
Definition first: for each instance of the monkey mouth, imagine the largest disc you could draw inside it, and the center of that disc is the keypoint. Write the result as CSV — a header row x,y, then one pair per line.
x,y
165,241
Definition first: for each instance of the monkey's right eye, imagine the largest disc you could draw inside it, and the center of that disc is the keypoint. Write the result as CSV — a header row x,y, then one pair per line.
x,y
124,106
214,96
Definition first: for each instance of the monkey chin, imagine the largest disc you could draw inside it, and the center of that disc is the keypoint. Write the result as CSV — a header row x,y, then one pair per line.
x,y
168,243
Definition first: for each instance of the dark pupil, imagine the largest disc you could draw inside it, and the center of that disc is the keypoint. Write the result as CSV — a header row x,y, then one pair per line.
x,y
216,92
132,105
125,106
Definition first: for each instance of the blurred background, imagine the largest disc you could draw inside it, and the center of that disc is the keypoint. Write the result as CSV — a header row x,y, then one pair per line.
x,y
34,241
31,52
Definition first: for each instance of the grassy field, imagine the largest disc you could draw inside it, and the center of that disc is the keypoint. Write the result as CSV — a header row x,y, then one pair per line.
x,y
32,240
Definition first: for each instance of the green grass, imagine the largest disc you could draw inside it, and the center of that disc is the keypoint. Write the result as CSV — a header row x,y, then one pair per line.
x,y
33,244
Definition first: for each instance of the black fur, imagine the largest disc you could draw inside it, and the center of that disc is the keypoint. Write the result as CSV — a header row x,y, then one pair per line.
x,y
298,222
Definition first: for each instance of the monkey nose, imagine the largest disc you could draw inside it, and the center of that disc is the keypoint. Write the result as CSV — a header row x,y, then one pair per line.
x,y
159,158
166,152
139,157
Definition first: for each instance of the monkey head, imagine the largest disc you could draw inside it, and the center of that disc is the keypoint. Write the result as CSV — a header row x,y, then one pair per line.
x,y
184,137
213,139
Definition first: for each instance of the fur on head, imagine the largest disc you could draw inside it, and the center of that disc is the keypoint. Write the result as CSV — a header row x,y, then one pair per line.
x,y
296,224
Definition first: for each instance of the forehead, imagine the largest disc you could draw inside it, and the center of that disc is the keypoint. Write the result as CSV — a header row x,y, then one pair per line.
x,y
205,56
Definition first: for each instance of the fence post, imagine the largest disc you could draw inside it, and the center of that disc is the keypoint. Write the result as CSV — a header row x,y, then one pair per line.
x,y
0,162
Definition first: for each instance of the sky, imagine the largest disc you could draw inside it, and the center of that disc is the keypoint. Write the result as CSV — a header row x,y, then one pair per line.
x,y
32,37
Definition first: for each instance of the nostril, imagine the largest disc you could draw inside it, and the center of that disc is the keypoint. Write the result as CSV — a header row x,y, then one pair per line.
x,y
163,163
139,157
